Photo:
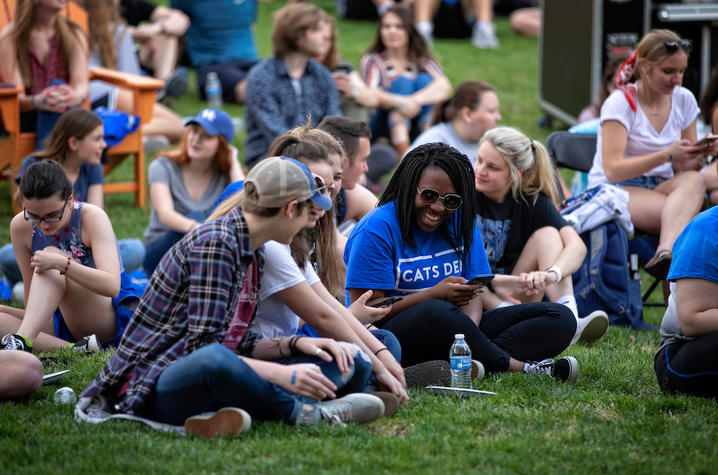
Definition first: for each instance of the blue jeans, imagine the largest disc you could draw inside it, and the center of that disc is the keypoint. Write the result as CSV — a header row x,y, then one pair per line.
x,y
404,86
353,381
214,377
155,250
648,182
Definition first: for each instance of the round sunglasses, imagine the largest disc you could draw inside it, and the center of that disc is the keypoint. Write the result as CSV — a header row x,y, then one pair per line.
x,y
451,201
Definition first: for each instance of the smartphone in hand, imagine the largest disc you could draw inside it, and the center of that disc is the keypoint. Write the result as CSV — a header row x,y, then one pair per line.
x,y
707,141
482,279
385,302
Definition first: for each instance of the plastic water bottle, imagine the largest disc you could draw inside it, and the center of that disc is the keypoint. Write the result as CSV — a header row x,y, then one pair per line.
x,y
460,362
213,90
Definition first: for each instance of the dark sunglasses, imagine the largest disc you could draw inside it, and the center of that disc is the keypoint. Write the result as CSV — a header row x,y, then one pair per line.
x,y
48,219
450,200
319,184
673,45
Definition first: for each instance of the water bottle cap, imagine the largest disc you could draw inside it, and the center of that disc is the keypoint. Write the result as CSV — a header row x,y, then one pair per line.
x,y
459,336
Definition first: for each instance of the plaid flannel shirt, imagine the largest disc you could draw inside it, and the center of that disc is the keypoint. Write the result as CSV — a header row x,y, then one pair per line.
x,y
189,301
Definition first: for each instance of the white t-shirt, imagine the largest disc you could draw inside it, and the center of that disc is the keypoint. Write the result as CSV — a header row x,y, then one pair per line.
x,y
444,132
642,137
274,319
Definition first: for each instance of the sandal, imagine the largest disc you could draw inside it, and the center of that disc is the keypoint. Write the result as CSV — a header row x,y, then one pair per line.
x,y
659,264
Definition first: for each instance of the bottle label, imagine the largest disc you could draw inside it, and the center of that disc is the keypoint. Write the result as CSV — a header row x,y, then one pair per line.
x,y
460,362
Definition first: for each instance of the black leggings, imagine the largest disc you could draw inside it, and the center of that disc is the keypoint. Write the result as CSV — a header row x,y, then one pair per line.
x,y
689,366
528,332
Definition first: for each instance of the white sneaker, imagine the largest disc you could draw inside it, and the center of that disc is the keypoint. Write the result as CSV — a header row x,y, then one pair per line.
x,y
88,344
355,407
591,328
484,35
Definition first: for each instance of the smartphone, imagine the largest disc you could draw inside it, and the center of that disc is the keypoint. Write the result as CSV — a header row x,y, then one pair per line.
x,y
706,141
483,279
343,68
385,302
52,377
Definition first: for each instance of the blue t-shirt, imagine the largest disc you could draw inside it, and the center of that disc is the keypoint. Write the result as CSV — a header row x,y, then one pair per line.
x,y
220,30
695,252
378,258
90,174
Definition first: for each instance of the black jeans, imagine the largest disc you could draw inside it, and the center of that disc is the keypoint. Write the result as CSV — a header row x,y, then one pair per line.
x,y
528,332
689,366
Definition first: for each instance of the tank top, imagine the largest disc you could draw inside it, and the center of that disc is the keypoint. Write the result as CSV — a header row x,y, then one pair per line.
x,y
68,239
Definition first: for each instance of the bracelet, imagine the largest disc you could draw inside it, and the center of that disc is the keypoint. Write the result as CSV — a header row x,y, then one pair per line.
x,y
67,266
556,270
293,344
381,349
670,157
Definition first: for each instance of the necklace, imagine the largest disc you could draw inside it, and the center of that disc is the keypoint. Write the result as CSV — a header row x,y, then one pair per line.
x,y
652,114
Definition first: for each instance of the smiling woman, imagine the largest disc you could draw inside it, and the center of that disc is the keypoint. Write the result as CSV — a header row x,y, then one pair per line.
x,y
423,243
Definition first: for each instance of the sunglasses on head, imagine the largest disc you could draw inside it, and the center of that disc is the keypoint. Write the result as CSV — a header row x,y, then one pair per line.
x,y
451,201
673,45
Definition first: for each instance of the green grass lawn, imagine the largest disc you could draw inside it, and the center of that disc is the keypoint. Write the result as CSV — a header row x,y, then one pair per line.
x,y
613,419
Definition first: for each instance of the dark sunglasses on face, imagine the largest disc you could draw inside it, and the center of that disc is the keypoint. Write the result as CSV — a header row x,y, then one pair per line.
x,y
319,184
673,45
47,219
450,200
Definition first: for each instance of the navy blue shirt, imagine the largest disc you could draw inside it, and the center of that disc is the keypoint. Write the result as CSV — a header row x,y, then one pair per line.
x,y
273,104
90,174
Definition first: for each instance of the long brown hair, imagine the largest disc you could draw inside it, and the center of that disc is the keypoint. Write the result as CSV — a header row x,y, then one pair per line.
x,y
105,19
296,144
222,159
73,123
417,48
291,22
65,29
468,94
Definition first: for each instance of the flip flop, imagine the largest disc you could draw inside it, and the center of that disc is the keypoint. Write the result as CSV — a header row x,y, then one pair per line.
x,y
659,264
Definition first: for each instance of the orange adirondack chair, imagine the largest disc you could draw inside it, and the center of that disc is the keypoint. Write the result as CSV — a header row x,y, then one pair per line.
x,y
20,144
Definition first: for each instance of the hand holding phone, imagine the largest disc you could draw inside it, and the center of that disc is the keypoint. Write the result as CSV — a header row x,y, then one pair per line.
x,y
385,302
707,141
481,279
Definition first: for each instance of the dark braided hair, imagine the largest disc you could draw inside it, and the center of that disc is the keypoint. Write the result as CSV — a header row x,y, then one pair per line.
x,y
402,191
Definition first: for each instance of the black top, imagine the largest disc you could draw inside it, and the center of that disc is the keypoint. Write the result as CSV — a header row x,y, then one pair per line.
x,y
136,11
506,227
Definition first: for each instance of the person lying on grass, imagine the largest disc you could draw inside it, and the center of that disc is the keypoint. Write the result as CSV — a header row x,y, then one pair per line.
x,y
178,359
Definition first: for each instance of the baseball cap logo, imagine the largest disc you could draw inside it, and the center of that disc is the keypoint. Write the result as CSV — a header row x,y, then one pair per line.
x,y
208,114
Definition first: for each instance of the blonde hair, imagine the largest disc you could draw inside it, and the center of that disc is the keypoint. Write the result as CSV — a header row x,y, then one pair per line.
x,y
530,167
652,50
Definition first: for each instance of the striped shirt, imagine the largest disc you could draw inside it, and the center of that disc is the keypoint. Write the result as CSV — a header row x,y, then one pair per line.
x,y
377,72
189,302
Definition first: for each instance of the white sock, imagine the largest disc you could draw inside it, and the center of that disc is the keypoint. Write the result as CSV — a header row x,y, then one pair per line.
x,y
570,301
425,28
505,303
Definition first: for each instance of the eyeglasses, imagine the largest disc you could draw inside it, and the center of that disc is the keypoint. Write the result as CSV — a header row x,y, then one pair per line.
x,y
451,201
673,45
47,219
319,184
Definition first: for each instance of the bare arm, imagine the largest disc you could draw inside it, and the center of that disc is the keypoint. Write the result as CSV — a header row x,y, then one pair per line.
x,y
613,145
164,205
436,91
235,173
96,196
697,306
173,22
359,202
574,251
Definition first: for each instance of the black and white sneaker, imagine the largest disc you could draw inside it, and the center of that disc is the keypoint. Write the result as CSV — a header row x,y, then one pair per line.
x,y
564,369
88,344
15,342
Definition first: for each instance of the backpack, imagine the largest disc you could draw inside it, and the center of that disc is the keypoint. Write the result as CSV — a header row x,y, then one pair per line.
x,y
604,280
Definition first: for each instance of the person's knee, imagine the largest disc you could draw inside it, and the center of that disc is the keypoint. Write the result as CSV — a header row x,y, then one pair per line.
x,y
547,237
692,181
22,374
216,361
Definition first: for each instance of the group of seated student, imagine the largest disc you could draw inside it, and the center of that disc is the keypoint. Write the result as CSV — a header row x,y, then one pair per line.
x,y
242,316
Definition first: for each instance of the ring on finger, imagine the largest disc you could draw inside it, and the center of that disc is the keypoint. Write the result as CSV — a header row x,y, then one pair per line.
x,y
319,350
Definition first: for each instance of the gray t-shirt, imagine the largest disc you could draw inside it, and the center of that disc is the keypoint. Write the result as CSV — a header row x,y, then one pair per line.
x,y
670,328
164,170
445,133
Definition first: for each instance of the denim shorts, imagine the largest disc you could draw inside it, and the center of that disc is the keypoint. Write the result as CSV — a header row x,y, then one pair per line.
x,y
648,182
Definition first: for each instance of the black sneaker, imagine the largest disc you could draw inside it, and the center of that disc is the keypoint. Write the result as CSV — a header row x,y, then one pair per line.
x,y
564,369
435,372
15,342
88,344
